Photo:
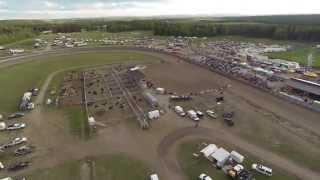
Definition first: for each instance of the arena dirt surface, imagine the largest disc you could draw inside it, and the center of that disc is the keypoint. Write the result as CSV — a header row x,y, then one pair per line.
x,y
48,130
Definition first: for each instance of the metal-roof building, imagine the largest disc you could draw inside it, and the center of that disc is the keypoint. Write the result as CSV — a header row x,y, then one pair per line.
x,y
304,85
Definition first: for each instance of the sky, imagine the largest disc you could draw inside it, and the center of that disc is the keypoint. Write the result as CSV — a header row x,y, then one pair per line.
x,y
56,9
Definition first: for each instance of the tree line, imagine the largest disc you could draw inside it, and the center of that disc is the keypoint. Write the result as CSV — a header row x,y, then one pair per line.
x,y
259,30
11,31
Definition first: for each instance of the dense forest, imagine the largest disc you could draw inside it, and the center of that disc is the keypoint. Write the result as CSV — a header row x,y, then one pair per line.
x,y
298,27
260,30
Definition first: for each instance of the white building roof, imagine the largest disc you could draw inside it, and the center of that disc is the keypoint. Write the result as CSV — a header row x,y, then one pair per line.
x,y
220,155
207,151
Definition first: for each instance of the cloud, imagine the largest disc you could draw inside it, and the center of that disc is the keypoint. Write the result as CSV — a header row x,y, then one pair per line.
x,y
3,4
109,8
50,4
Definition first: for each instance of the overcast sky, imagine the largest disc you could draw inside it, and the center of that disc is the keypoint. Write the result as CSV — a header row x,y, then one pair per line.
x,y
48,9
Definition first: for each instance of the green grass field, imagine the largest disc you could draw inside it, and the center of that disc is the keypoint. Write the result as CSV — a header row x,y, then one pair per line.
x,y
193,167
78,122
15,80
110,167
299,55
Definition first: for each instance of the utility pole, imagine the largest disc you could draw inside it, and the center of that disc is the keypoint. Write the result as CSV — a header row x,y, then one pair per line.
x,y
310,60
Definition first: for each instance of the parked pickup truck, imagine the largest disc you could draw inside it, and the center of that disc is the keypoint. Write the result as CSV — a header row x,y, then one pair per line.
x,y
16,126
212,114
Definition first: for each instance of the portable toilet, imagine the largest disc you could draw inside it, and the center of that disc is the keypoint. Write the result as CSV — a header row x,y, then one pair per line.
x,y
2,126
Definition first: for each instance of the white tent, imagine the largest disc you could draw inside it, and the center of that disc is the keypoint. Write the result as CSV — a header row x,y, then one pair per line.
x,y
207,151
237,157
220,156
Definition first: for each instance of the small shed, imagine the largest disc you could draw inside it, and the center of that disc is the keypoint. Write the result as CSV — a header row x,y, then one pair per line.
x,y
160,90
220,157
154,114
91,121
208,150
237,157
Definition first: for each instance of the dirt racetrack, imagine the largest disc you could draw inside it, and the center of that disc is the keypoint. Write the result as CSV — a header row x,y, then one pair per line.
x,y
256,109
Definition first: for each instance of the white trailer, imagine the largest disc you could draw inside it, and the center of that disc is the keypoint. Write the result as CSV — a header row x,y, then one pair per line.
x,y
16,51
262,169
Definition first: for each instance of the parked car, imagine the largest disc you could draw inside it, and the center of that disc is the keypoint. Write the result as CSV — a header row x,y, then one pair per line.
x,y
35,91
15,141
200,114
16,126
23,150
19,166
262,169
16,115
179,110
228,118
193,115
212,114
203,176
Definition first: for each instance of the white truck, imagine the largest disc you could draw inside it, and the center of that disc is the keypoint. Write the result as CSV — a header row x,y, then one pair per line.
x,y
203,176
154,177
179,110
193,115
